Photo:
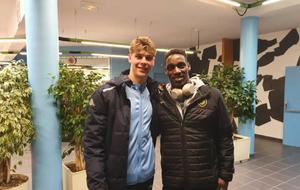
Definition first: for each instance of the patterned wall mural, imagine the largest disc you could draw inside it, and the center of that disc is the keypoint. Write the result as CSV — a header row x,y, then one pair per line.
x,y
275,52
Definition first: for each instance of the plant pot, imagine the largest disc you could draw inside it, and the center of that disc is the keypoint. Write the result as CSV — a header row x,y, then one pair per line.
x,y
241,147
73,180
22,186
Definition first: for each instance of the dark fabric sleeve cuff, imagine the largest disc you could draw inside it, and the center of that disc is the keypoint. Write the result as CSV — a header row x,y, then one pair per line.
x,y
226,176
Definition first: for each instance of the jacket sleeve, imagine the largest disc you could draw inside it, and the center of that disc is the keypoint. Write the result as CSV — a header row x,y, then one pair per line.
x,y
93,142
225,149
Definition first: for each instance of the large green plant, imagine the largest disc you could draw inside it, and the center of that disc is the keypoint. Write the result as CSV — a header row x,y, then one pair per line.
x,y
72,94
16,127
239,95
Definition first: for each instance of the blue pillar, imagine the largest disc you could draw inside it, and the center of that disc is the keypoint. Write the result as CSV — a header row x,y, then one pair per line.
x,y
41,19
248,60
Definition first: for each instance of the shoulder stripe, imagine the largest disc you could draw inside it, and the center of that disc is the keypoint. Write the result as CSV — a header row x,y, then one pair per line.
x,y
108,89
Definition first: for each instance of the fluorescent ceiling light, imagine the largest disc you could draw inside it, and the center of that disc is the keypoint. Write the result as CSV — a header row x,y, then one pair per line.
x,y
230,2
110,55
105,44
12,40
123,46
166,50
25,53
267,2
189,52
103,68
162,50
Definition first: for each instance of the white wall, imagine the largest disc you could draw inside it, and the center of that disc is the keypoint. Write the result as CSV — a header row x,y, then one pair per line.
x,y
276,69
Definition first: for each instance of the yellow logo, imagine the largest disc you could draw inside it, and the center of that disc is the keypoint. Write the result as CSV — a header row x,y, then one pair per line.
x,y
203,103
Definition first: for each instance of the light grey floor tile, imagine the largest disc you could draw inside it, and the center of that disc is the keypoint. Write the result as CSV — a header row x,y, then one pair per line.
x,y
280,177
295,181
260,185
286,186
270,181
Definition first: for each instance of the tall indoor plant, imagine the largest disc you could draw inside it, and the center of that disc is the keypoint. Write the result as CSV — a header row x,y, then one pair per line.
x,y
16,126
72,94
239,94
239,97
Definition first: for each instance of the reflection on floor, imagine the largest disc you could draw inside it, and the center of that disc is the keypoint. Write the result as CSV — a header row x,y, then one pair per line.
x,y
274,167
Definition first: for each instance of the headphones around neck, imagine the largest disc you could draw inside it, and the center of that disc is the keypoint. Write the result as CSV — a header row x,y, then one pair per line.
x,y
184,93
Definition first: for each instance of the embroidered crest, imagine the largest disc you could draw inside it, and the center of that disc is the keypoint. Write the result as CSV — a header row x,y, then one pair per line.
x,y
203,103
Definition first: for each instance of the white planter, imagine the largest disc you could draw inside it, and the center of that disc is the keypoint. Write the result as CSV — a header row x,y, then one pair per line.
x,y
241,148
73,180
23,186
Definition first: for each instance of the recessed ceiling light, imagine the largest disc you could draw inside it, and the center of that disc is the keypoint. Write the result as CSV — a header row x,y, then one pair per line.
x,y
88,5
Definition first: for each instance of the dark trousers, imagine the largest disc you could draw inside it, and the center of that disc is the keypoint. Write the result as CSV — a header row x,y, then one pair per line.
x,y
147,185
200,188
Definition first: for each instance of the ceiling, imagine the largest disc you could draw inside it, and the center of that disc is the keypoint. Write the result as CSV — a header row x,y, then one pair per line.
x,y
170,23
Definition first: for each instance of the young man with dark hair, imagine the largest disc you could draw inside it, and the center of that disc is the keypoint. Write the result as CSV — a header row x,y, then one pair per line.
x,y
196,134
120,135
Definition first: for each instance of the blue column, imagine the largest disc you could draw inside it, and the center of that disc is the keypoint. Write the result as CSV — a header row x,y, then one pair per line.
x,y
41,19
248,60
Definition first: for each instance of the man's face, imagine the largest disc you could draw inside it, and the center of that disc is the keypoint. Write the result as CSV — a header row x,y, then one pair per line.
x,y
141,64
177,70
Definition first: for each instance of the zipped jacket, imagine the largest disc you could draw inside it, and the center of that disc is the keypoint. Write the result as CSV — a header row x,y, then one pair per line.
x,y
196,148
107,135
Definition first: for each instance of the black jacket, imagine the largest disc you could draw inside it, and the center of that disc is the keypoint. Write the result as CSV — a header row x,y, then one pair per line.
x,y
197,149
107,134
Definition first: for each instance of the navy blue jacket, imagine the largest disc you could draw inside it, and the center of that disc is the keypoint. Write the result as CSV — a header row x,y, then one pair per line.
x,y
107,134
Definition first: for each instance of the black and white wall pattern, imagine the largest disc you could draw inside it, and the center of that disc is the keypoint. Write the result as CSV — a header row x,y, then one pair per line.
x,y
276,51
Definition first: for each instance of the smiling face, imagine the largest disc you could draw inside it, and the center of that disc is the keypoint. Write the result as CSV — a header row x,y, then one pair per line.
x,y
141,64
177,69
141,58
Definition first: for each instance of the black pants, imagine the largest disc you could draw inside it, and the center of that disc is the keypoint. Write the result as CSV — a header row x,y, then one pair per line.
x,y
147,185
200,188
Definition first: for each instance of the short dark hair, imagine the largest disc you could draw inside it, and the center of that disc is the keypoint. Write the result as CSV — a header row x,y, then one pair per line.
x,y
174,51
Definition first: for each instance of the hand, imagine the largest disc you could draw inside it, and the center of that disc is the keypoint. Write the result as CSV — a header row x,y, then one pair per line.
x,y
222,185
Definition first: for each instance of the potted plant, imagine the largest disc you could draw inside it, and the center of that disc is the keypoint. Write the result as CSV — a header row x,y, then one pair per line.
x,y
239,96
16,126
72,94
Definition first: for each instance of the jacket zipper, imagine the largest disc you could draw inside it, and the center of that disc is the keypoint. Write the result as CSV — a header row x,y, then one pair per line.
x,y
183,142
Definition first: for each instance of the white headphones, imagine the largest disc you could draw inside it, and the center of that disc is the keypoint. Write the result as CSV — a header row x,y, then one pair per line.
x,y
184,93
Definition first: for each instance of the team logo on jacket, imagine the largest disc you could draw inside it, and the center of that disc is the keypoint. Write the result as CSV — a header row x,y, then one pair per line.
x,y
203,103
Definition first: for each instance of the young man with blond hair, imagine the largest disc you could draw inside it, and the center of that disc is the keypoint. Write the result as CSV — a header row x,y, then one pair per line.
x,y
120,135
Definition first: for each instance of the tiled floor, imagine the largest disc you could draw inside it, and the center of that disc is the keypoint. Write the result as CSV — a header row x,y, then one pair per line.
x,y
274,167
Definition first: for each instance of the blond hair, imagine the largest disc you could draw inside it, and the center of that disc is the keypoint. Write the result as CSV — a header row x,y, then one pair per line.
x,y
142,43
